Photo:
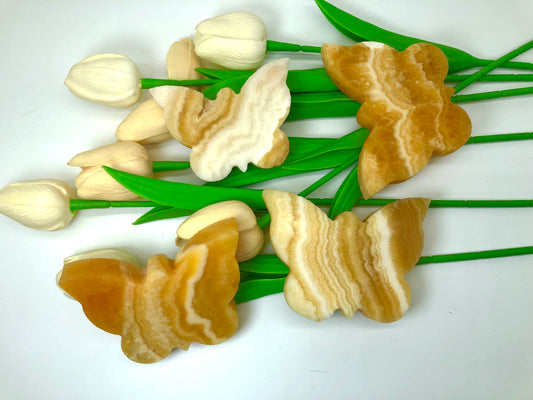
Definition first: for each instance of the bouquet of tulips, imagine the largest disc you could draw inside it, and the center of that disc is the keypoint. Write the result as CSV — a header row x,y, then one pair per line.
x,y
224,102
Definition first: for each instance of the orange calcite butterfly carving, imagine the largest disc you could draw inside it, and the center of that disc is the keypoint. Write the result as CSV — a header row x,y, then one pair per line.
x,y
170,303
405,104
346,264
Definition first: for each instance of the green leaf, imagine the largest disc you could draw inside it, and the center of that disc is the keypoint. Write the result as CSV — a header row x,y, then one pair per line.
x,y
332,109
351,141
299,80
162,212
298,146
359,30
310,80
347,194
237,178
320,97
256,288
265,264
234,84
328,160
183,195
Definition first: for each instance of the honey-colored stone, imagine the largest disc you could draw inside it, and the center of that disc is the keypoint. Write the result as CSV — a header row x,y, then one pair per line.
x,y
405,104
170,303
346,264
234,129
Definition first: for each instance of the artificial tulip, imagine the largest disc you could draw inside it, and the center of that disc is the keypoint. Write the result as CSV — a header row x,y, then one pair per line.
x,y
108,79
41,204
93,182
235,40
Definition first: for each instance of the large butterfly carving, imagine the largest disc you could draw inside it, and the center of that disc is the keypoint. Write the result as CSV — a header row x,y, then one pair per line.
x,y
346,264
405,104
168,304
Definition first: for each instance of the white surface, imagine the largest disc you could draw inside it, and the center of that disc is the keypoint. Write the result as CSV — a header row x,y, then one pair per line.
x,y
469,331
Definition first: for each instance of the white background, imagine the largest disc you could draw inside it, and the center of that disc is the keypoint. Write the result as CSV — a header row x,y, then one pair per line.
x,y
469,331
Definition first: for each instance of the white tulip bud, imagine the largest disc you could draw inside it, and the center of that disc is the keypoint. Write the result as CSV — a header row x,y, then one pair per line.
x,y
93,182
146,123
108,79
251,238
236,40
41,204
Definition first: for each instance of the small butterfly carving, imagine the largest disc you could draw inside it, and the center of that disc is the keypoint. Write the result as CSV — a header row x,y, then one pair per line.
x,y
234,129
405,104
346,264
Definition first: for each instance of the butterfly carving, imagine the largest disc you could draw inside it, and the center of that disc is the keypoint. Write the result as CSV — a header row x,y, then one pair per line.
x,y
168,304
346,264
234,129
405,104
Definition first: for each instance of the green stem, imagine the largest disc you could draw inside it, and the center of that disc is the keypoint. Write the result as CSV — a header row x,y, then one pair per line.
x,y
256,288
159,166
492,78
476,255
455,203
273,45
508,65
84,204
463,98
501,137
148,83
493,65
329,176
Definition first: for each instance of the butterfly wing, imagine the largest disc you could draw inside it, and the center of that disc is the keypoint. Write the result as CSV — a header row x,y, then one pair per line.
x,y
397,242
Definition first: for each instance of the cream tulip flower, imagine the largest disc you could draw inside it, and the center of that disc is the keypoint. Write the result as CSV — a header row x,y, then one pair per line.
x,y
41,204
109,79
94,183
235,40
146,123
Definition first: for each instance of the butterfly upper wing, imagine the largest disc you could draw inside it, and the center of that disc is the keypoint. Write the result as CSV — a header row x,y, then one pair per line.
x,y
101,285
396,245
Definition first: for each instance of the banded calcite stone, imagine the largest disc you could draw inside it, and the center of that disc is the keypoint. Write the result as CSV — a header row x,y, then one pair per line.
x,y
170,303
346,264
405,104
234,129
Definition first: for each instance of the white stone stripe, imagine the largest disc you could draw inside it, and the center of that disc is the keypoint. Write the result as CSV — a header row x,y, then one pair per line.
x,y
386,266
